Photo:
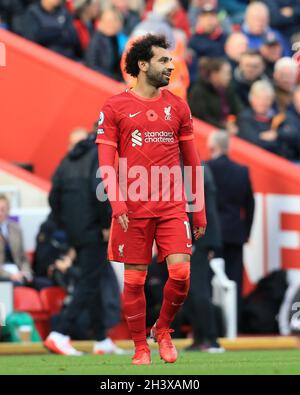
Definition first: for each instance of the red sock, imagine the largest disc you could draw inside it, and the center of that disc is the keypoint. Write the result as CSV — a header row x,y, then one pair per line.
x,y
175,292
135,305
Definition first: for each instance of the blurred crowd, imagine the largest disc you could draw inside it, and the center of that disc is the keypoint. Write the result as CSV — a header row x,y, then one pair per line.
x,y
235,59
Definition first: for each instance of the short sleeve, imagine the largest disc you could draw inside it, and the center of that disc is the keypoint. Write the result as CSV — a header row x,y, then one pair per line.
x,y
186,126
107,130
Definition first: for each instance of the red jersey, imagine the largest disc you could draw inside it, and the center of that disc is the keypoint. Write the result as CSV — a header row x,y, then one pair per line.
x,y
146,133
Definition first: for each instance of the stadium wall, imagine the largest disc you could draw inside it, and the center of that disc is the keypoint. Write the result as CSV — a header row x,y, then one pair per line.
x,y
52,95
43,97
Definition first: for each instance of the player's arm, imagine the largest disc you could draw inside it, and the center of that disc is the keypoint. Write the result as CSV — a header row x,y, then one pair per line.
x,y
107,140
106,155
190,158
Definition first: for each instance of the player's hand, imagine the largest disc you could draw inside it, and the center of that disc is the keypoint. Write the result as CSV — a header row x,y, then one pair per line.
x,y
105,234
199,232
123,221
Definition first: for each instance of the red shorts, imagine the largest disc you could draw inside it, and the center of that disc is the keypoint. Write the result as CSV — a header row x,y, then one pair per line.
x,y
172,236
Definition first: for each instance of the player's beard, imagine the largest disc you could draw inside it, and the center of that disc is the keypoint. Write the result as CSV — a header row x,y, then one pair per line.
x,y
158,79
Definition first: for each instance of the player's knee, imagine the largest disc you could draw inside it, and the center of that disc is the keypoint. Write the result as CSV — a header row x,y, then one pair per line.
x,y
135,277
179,271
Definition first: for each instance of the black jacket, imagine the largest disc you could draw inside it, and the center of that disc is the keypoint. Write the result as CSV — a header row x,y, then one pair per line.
x,y
205,103
287,25
289,135
53,30
250,128
102,55
242,86
73,198
235,199
212,240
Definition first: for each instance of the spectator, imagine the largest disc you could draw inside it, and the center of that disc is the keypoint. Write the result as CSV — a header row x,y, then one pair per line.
x,y
86,222
289,130
48,23
107,44
250,69
286,73
53,258
158,21
195,10
235,9
178,17
235,45
9,10
198,307
295,44
180,20
75,136
14,265
256,25
85,12
235,206
271,51
209,39
285,16
130,18
255,124
211,98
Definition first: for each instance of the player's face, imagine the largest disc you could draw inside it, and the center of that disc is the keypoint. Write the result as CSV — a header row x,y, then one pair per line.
x,y
160,68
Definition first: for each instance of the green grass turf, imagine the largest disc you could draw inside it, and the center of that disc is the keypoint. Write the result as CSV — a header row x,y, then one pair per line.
x,y
234,362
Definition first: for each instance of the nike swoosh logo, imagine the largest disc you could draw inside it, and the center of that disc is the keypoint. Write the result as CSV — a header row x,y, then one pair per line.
x,y
189,245
135,316
134,115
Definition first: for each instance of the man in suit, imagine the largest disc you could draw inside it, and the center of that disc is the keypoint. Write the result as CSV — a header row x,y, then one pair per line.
x,y
199,308
235,204
14,265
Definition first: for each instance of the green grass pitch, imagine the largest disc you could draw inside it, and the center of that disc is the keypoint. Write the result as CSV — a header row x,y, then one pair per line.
x,y
234,362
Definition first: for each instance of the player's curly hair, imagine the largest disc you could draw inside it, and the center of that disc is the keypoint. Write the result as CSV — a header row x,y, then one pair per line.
x,y
141,49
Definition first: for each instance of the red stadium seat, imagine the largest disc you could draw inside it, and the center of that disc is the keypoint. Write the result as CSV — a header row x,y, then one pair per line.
x,y
52,299
28,300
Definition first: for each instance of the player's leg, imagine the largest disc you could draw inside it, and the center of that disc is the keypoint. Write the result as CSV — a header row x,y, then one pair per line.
x,y
135,310
175,293
176,288
134,249
173,238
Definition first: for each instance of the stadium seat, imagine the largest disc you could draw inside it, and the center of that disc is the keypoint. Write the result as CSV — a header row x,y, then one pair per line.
x,y
52,299
28,300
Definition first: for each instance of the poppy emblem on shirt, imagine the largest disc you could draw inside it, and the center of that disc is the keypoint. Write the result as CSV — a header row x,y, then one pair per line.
x,y
167,111
151,115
